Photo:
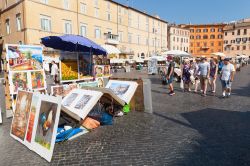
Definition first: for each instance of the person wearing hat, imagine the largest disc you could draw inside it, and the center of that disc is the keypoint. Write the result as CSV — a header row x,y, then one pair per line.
x,y
204,69
170,75
227,77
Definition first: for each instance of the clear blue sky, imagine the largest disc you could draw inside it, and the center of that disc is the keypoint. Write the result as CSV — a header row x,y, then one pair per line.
x,y
194,11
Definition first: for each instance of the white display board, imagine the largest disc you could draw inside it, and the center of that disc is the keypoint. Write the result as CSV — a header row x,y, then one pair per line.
x,y
80,102
123,89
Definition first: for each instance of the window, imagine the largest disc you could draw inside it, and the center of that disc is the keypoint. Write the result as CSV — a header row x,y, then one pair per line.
x,y
83,8
232,33
67,27
238,40
191,44
96,12
220,30
177,39
198,37
238,32
212,44
83,30
244,40
7,24
97,33
191,51
18,22
220,36
205,37
244,47
108,16
198,30
45,1
205,30
225,42
191,30
45,23
238,47
173,38
232,48
129,38
96,3
212,30
66,4
191,37
232,41
212,36
225,33
120,36
245,31
219,43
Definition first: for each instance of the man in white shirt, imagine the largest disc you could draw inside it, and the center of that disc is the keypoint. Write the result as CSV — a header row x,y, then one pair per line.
x,y
227,77
54,71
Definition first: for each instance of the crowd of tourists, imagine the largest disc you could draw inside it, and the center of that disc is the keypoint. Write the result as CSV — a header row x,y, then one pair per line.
x,y
203,73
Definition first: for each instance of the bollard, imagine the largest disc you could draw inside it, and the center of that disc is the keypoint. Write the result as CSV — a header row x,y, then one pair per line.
x,y
148,107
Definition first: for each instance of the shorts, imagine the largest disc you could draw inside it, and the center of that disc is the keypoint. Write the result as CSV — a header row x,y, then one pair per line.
x,y
170,80
226,84
203,79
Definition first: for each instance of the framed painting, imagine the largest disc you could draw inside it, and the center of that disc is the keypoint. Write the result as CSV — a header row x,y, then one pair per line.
x,y
100,82
21,115
85,66
106,71
57,90
45,125
123,89
99,69
68,88
24,57
18,81
38,80
80,102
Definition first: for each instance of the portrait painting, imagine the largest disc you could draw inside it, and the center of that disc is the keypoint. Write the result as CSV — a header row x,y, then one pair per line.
x,y
99,71
21,115
106,70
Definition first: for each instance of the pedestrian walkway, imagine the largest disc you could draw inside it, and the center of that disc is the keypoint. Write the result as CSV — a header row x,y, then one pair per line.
x,y
186,129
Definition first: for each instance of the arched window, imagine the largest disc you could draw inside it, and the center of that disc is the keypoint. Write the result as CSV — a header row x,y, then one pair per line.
x,y
205,37
212,36
219,36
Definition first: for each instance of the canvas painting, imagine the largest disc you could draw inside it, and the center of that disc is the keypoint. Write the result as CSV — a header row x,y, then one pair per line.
x,y
21,115
85,66
38,80
100,82
80,102
18,81
45,125
70,99
82,85
57,90
106,71
99,71
123,89
24,57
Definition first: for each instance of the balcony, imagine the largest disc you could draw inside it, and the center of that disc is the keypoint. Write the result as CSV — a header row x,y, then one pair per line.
x,y
111,38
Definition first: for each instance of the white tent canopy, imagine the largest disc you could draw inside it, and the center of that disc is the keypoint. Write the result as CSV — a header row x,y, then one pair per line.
x,y
158,58
111,49
221,54
176,53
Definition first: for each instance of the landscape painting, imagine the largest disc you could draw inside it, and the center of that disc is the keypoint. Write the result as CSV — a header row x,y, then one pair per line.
x,y
119,88
83,101
70,99
82,85
38,80
21,115
24,57
46,122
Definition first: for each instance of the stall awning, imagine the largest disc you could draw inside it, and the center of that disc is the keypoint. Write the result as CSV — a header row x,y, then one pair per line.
x,y
111,49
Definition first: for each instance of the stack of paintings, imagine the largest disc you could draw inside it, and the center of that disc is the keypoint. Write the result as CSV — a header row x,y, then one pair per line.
x,y
35,122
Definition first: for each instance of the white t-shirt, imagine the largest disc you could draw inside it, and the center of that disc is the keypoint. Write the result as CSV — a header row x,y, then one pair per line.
x,y
54,70
226,71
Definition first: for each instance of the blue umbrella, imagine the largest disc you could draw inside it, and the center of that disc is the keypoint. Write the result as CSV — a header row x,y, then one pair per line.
x,y
73,43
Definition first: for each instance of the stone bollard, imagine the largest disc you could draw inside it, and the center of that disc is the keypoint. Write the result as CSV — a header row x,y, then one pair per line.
x,y
148,107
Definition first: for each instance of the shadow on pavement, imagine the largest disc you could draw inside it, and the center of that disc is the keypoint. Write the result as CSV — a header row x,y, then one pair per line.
x,y
242,91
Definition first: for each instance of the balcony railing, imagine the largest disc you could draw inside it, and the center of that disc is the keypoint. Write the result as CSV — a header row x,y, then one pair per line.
x,y
111,38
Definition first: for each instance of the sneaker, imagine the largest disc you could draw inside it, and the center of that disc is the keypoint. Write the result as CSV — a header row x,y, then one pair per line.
x,y
204,95
172,94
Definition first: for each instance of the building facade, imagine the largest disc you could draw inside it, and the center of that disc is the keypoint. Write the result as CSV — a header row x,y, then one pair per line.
x,y
237,38
206,39
135,33
178,38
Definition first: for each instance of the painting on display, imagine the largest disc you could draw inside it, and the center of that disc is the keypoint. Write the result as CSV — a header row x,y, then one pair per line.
x,y
46,123
68,66
85,66
21,115
82,85
100,82
80,102
99,70
18,81
57,90
123,89
24,57
68,88
38,80
107,71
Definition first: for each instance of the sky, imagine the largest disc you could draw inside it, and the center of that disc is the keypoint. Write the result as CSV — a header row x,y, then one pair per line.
x,y
194,11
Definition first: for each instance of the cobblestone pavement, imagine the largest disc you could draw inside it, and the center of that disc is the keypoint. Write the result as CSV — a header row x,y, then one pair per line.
x,y
186,129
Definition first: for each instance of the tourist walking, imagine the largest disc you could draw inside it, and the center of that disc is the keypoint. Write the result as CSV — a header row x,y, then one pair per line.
x,y
227,77
196,74
54,72
213,74
204,69
170,75
186,75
